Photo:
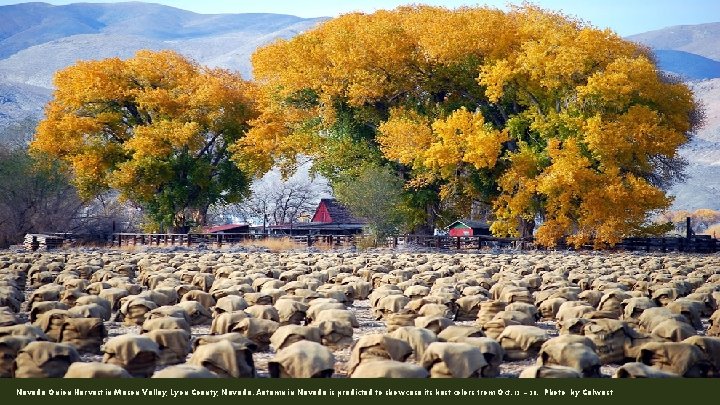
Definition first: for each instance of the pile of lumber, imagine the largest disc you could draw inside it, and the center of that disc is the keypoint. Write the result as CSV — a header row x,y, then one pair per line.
x,y
34,241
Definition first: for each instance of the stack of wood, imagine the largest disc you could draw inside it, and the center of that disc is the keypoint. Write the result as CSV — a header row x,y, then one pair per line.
x,y
35,241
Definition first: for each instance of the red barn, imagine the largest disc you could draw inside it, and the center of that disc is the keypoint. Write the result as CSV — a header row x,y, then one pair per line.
x,y
330,218
330,211
465,227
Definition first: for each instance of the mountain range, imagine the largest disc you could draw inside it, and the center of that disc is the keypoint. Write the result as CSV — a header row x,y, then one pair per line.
x,y
37,39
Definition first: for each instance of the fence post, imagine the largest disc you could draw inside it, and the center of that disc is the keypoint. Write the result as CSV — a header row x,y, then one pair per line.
x,y
457,243
219,240
309,240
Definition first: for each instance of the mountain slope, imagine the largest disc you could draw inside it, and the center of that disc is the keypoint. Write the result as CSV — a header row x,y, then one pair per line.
x,y
37,39
701,39
687,65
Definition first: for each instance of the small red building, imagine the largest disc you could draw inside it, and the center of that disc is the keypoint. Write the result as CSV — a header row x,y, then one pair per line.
x,y
466,227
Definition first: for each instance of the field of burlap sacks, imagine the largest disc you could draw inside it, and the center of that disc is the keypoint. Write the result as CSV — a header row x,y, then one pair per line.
x,y
196,315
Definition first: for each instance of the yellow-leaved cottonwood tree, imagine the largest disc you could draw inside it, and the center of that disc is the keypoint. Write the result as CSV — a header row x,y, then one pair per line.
x,y
564,129
156,127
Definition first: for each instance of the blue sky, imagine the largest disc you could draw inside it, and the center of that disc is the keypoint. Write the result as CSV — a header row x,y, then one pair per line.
x,y
624,16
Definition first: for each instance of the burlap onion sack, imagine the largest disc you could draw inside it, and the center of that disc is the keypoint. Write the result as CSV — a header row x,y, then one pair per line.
x,y
456,333
302,359
9,299
549,372
572,310
94,299
634,307
226,321
174,345
96,370
258,298
389,304
85,334
690,309
378,346
134,309
197,313
257,330
229,303
492,352
136,354
453,360
418,339
30,331
635,341
263,312
9,348
184,371
684,359
389,369
225,358
488,310
44,360
714,329
69,297
640,370
233,337
51,323
609,336
397,320
521,341
549,308
673,330
291,312
335,334
205,299
494,327
114,295
286,335
167,322
172,311
89,311
561,352
40,307
708,301
711,347
433,323
468,307
340,315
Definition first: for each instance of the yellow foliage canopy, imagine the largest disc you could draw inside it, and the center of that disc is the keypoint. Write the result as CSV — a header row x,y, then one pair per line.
x,y
544,117
156,127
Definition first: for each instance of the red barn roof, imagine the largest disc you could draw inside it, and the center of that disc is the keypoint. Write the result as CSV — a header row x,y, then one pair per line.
x,y
330,211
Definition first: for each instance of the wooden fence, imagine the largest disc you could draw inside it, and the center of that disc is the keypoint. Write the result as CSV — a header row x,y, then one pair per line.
x,y
219,239
694,244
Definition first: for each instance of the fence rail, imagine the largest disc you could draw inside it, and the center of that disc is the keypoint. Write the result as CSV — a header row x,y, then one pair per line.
x,y
219,239
694,244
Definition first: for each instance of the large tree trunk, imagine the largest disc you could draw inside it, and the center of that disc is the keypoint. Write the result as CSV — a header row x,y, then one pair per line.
x,y
526,228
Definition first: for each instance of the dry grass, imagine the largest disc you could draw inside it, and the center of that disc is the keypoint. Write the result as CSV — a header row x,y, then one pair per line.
x,y
274,245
